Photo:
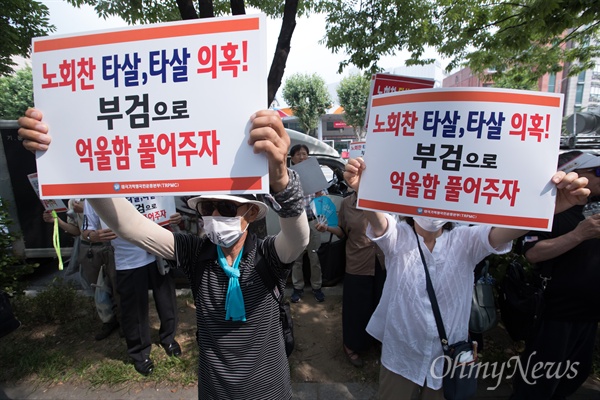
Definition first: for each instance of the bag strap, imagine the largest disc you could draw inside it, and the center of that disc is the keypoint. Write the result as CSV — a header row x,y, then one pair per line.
x,y
434,304
267,278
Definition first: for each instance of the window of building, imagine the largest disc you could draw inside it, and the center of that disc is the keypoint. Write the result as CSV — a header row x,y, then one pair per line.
x,y
552,83
579,92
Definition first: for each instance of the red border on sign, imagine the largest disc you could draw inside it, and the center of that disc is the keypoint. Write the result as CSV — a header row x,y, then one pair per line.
x,y
451,95
148,33
469,217
183,185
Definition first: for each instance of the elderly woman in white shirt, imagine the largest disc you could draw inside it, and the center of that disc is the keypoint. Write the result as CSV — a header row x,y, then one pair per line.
x,y
403,320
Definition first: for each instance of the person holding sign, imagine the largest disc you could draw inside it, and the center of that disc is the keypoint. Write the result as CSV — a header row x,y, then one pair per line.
x,y
568,261
136,273
74,217
299,153
404,321
363,280
242,353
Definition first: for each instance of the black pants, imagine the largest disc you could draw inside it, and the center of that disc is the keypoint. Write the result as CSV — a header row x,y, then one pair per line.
x,y
561,343
360,298
133,286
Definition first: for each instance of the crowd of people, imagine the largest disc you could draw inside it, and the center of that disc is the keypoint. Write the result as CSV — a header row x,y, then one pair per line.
x,y
242,352
128,272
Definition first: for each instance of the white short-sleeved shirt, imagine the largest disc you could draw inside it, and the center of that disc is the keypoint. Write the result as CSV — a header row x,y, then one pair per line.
x,y
403,320
127,255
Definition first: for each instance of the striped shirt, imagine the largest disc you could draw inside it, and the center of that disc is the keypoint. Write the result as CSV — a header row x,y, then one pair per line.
x,y
240,360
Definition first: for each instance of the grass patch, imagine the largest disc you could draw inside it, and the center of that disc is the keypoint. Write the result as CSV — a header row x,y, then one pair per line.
x,y
56,344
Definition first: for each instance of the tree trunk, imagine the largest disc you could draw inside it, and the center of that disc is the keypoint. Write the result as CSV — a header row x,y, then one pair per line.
x,y
237,7
186,9
282,50
206,8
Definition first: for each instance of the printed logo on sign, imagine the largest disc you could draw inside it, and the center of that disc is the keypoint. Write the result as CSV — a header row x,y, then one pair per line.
x,y
117,187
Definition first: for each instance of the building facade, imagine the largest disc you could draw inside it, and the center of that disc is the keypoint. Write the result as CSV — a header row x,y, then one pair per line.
x,y
581,92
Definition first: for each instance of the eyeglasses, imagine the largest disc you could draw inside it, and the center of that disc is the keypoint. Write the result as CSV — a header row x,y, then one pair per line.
x,y
225,208
595,170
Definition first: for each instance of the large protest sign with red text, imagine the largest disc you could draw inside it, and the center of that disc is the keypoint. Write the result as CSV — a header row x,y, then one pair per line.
x,y
388,83
155,109
473,155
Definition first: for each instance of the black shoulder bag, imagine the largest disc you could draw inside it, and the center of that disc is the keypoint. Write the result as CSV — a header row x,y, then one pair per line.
x,y
460,378
521,301
332,256
285,313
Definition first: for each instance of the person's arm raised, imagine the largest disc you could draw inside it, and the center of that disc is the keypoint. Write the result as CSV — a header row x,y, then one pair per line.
x,y
571,190
352,176
268,135
128,224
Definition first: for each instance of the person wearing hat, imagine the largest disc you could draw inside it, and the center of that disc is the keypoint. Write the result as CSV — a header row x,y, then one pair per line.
x,y
568,256
242,353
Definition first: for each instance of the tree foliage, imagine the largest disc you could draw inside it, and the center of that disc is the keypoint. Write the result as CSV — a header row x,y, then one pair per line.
x,y
21,20
532,35
307,96
16,93
353,94
517,78
151,11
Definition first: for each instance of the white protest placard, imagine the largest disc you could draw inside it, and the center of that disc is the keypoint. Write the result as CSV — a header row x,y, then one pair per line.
x,y
155,208
152,109
473,155
357,149
311,175
49,204
388,83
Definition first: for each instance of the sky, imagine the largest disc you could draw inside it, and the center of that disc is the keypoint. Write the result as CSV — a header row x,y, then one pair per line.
x,y
306,54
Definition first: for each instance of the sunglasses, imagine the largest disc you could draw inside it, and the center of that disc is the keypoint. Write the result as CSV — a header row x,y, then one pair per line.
x,y
225,208
595,170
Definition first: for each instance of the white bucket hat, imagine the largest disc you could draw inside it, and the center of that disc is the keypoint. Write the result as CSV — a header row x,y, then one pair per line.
x,y
581,161
241,199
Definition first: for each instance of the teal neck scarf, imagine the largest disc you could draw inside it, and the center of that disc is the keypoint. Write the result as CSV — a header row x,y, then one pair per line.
x,y
234,302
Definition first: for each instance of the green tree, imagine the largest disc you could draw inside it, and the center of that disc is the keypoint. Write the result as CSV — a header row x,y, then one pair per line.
x,y
21,21
151,11
516,79
308,98
16,93
353,94
533,35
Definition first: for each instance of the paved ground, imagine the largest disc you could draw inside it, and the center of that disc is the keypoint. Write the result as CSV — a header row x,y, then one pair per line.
x,y
302,391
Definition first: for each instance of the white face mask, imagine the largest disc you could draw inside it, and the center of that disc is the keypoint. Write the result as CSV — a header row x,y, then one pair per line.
x,y
430,224
224,231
